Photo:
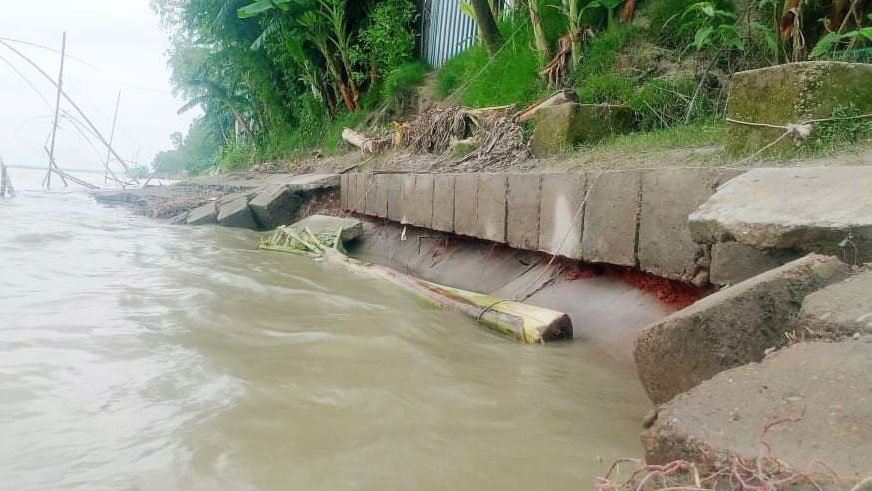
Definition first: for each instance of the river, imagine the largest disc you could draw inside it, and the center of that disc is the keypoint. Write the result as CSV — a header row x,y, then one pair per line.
x,y
137,355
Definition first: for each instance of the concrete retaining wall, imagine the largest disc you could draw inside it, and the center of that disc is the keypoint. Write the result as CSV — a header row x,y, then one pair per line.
x,y
635,218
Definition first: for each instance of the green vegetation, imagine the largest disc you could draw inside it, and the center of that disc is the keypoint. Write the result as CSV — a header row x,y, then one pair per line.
x,y
278,78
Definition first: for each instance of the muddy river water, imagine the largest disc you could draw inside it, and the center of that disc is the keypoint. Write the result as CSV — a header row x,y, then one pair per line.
x,y
137,355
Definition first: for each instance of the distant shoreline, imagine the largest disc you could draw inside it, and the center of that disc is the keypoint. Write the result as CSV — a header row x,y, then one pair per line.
x,y
42,167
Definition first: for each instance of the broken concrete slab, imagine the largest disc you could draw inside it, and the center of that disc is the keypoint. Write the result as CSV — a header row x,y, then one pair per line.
x,y
841,309
792,93
611,217
394,185
732,262
443,203
276,205
306,183
819,209
523,202
822,392
203,215
668,197
465,204
490,223
236,213
561,213
352,228
729,328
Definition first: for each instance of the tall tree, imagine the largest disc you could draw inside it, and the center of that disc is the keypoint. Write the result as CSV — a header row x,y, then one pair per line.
x,y
487,26
542,48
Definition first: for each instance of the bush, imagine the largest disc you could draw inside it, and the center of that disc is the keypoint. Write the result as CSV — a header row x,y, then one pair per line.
x,y
606,88
663,102
389,37
402,79
665,16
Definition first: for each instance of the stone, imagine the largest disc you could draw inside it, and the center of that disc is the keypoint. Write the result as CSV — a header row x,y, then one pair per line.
x,y
523,203
611,217
669,196
808,208
790,94
490,221
203,215
840,310
561,213
236,213
729,328
443,203
352,228
394,186
422,212
733,262
465,204
559,128
276,205
822,392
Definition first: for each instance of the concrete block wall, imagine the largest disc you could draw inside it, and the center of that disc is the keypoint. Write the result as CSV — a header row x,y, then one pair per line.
x,y
635,218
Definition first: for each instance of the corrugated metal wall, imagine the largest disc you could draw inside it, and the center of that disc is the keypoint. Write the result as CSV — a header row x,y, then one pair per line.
x,y
447,30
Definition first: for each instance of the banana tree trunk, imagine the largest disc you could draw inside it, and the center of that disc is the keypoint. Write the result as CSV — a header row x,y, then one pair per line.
x,y
575,32
542,48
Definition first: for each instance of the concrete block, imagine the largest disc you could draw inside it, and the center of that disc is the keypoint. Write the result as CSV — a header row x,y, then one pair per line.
x,y
490,221
808,208
394,187
352,192
359,204
408,199
611,217
422,213
307,183
343,191
465,204
729,328
276,205
443,203
669,196
236,213
822,389
523,203
376,196
559,128
732,262
561,213
769,95
203,215
842,309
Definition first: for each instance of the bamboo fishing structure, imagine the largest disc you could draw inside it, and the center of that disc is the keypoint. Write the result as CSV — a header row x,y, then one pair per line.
x,y
54,129
111,139
5,181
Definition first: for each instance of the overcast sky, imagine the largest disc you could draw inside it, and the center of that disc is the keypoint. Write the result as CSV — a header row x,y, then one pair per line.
x,y
123,43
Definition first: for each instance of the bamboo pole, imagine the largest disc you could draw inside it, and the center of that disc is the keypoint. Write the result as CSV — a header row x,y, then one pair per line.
x,y
75,106
54,128
5,182
111,138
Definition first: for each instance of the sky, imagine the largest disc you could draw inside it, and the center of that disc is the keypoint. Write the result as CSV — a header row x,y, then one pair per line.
x,y
122,47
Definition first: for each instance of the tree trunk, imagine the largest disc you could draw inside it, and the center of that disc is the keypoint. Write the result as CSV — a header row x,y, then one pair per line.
x,y
355,93
487,26
575,32
542,48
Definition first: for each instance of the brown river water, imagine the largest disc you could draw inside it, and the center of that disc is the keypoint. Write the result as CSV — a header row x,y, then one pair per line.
x,y
137,355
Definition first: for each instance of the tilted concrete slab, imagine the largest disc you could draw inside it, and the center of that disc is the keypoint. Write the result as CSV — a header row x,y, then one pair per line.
x,y
841,309
812,209
313,182
203,215
465,204
669,196
394,188
443,203
732,262
236,213
523,202
729,328
561,213
822,392
611,217
490,221
276,205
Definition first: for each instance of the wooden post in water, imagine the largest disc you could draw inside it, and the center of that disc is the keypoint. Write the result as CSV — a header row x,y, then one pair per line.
x,y
54,129
5,182
111,138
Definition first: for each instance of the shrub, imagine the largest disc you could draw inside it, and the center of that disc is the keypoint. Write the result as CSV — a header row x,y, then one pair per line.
x,y
402,79
605,88
389,37
665,16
